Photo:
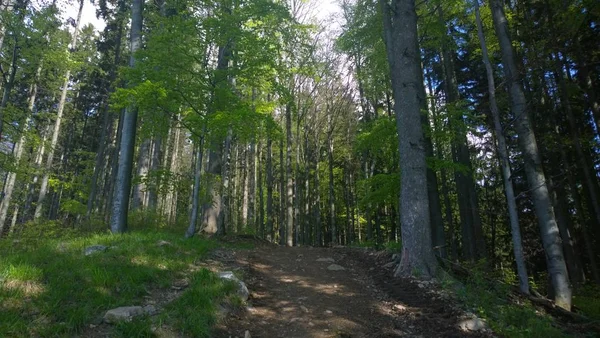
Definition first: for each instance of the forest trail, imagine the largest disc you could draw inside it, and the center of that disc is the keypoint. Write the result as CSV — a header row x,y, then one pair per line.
x,y
294,293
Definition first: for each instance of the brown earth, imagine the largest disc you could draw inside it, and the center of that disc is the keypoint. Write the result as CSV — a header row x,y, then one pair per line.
x,y
294,295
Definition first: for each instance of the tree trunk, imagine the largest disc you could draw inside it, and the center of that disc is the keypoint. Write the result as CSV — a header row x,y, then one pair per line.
x,y
533,164
270,182
120,202
503,159
400,32
289,201
251,185
282,195
332,225
138,200
155,163
196,190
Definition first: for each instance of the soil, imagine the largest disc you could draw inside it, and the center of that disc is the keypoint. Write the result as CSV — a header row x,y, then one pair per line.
x,y
294,295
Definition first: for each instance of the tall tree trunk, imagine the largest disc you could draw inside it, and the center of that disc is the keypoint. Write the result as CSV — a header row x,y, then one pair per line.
x,y
400,32
534,171
57,123
196,190
260,214
155,163
252,185
503,158
282,195
270,182
331,200
138,199
289,200
120,202
225,214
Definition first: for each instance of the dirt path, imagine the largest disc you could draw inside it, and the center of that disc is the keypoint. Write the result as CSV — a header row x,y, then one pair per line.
x,y
294,294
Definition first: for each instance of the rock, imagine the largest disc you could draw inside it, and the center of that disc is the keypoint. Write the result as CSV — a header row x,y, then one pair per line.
x,y
242,288
335,267
163,243
123,314
472,324
396,258
389,265
304,308
327,260
400,307
328,312
247,334
150,310
94,248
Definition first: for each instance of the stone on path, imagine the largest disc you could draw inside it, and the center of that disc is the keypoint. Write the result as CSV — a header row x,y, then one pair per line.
x,y
472,324
326,259
242,288
335,267
123,314
95,248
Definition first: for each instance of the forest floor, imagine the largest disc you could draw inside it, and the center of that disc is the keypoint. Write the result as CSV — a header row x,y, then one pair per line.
x,y
293,293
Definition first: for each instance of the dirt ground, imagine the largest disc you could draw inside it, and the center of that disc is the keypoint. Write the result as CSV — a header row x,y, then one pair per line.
x,y
292,294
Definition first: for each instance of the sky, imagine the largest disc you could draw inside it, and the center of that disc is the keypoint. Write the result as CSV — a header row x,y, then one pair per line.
x,y
324,9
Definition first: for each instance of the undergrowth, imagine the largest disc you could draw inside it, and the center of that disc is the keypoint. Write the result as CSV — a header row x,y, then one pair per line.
x,y
48,287
505,316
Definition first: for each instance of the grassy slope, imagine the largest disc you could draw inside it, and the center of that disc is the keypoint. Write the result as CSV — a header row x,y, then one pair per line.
x,y
48,287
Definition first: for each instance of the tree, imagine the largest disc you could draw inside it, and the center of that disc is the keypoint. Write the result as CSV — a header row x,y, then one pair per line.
x,y
400,32
533,163
120,203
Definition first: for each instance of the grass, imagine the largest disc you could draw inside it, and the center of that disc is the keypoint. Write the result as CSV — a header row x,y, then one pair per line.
x,y
49,288
504,317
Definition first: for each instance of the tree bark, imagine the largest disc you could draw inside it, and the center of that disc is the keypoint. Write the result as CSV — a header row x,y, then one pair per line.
x,y
120,202
138,200
533,164
270,182
289,200
196,190
400,32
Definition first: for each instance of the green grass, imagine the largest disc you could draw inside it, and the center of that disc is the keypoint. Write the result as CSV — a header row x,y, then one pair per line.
x,y
587,299
49,288
503,316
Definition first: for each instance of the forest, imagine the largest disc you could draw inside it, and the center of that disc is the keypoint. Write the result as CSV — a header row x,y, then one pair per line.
x,y
455,133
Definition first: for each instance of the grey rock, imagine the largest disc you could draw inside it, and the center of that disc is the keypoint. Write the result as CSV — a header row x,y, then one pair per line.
x,y
94,248
123,314
335,267
163,243
247,334
472,324
242,288
326,259
396,258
